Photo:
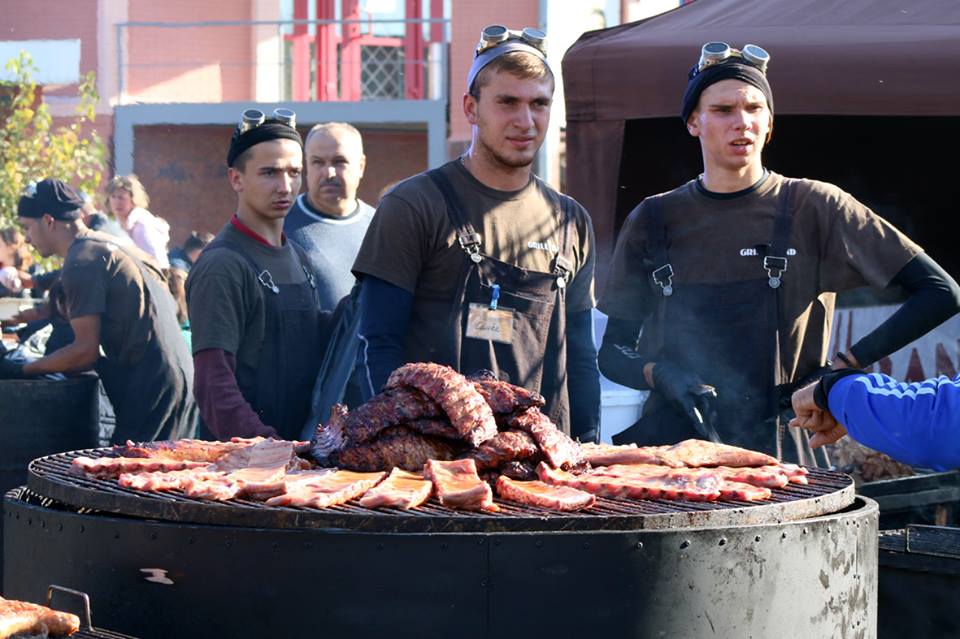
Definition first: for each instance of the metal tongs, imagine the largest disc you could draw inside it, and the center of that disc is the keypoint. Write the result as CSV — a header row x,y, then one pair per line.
x,y
705,412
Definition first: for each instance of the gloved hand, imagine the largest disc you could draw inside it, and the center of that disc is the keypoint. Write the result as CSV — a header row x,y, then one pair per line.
x,y
786,390
10,369
684,390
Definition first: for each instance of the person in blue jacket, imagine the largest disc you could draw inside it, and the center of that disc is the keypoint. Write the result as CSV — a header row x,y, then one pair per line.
x,y
915,423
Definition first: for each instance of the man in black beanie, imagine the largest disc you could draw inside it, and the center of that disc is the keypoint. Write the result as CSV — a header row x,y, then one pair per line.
x,y
732,277
253,303
117,301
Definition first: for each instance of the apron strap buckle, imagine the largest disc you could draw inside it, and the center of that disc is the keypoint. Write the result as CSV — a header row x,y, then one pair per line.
x,y
470,242
663,277
775,267
267,281
311,280
563,269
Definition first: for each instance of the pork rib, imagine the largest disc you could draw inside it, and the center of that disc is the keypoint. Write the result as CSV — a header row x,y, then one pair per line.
x,y
400,489
796,474
458,485
525,470
397,446
463,404
111,467
764,476
512,445
735,490
695,453
184,449
504,397
537,493
556,446
690,484
324,488
608,454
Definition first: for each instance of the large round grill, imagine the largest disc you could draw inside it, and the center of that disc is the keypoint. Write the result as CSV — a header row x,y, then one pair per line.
x,y
827,492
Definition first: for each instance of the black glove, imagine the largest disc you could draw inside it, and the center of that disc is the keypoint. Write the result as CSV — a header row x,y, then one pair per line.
x,y
684,390
10,369
786,391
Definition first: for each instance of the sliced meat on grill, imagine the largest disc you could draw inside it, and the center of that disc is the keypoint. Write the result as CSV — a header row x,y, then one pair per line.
x,y
24,619
765,476
512,445
324,488
397,447
692,484
739,491
556,446
401,489
503,397
457,485
537,493
608,454
695,453
460,400
185,449
270,453
520,470
796,474
109,467
210,486
160,481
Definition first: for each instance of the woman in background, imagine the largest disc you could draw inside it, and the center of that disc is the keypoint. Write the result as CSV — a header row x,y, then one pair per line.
x,y
128,201
15,263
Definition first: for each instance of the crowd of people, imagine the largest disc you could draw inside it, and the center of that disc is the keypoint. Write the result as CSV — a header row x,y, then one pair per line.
x,y
719,296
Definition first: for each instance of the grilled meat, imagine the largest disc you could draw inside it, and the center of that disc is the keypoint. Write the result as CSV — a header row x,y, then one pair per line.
x,y
502,397
184,449
460,400
400,490
396,447
109,467
739,491
537,493
692,484
457,485
697,452
525,470
796,474
556,446
513,445
607,454
324,488
24,619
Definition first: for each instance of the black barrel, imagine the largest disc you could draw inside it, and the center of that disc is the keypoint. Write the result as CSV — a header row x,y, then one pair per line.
x,y
39,417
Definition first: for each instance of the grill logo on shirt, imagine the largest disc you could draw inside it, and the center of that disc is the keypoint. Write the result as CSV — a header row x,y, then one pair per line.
x,y
543,246
752,252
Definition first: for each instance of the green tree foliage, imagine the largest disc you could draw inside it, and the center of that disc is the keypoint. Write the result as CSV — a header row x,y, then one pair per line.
x,y
32,149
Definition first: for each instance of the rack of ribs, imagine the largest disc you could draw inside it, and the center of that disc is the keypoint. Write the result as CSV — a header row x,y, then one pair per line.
x,y
745,484
537,493
397,446
556,446
460,400
503,397
608,454
690,484
24,619
507,446
697,452
111,467
184,449
324,488
400,489
458,485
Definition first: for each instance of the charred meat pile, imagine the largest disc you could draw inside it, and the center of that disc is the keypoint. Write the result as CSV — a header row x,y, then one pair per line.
x,y
431,412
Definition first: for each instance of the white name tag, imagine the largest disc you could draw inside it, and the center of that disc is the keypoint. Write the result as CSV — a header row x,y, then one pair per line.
x,y
496,326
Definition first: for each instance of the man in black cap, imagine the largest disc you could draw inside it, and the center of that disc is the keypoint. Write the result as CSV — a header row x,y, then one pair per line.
x,y
116,299
733,276
481,265
253,304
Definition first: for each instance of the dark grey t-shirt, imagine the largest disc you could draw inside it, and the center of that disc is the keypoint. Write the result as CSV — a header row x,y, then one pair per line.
x,y
225,299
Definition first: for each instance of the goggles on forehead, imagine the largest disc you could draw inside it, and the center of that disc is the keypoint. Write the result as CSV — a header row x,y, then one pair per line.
x,y
717,52
30,190
496,34
252,118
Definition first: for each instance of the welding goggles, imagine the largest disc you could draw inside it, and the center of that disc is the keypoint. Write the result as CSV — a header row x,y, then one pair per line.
x,y
252,118
496,34
717,52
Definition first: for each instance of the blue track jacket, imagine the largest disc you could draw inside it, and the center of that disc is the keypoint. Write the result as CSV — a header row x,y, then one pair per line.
x,y
918,423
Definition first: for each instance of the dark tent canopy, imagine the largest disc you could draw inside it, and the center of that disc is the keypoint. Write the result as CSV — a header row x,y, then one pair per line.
x,y
887,59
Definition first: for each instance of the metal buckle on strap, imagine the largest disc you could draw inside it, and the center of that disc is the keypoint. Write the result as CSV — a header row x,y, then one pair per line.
x,y
563,269
663,277
267,281
311,280
470,242
775,267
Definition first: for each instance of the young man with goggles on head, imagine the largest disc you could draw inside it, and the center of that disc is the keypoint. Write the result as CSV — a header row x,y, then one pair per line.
x,y
732,277
481,265
252,298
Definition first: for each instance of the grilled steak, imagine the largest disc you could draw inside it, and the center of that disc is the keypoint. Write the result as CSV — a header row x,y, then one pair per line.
x,y
24,619
557,447
457,485
503,397
396,446
400,490
324,488
460,400
513,445
697,452
109,467
537,493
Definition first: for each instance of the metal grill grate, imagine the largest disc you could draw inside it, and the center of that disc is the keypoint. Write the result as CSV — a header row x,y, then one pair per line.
x,y
95,633
50,476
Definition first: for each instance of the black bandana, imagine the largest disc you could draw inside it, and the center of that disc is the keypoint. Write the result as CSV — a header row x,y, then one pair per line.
x,y
271,129
51,197
723,71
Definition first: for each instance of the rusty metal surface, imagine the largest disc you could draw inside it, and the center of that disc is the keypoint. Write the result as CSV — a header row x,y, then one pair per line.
x,y
827,492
